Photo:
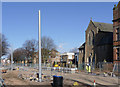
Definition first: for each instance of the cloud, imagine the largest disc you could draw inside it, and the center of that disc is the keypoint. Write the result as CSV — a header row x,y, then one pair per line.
x,y
61,47
75,49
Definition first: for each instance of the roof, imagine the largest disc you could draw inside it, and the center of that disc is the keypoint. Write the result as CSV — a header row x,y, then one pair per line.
x,y
68,53
118,4
104,26
82,46
54,50
4,56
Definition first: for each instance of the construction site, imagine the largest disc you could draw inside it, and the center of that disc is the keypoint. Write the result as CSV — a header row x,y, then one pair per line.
x,y
74,59
29,76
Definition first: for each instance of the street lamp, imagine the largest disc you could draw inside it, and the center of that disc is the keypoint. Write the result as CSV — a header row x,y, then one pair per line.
x,y
40,70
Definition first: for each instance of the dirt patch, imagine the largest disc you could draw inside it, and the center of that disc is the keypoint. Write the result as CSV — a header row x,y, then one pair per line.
x,y
11,78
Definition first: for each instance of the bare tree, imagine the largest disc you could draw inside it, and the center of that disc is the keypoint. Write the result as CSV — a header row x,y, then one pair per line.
x,y
47,45
19,55
3,45
30,46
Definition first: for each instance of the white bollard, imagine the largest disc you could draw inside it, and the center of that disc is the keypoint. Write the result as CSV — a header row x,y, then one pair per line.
x,y
94,84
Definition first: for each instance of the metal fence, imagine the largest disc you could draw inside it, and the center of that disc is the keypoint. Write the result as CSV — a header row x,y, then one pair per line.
x,y
99,67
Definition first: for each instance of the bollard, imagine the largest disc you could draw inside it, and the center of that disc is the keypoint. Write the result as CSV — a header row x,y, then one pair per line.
x,y
94,83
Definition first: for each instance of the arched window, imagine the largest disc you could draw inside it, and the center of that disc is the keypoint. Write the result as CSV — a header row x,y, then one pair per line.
x,y
91,38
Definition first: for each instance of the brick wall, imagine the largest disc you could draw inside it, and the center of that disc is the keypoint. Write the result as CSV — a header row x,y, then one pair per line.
x,y
116,24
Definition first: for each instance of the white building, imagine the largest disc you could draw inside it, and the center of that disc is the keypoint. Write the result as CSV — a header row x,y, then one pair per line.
x,y
66,58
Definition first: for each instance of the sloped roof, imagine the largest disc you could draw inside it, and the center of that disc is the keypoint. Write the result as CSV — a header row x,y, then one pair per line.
x,y
4,56
68,53
54,50
104,26
118,4
82,46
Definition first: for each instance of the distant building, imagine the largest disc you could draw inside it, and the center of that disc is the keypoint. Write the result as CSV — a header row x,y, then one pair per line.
x,y
67,58
5,60
76,58
81,59
55,56
116,33
36,58
98,42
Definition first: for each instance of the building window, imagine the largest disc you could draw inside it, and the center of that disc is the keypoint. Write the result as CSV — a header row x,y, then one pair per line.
x,y
91,38
117,34
81,51
117,53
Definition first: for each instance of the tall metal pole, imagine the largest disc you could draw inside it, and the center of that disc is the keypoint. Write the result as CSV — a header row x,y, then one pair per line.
x,y
40,71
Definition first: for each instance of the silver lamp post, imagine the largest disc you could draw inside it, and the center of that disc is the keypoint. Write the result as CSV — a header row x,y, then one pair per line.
x,y
40,70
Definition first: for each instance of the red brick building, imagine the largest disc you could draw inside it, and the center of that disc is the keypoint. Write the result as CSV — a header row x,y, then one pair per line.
x,y
116,33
